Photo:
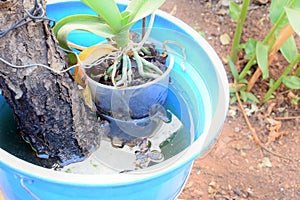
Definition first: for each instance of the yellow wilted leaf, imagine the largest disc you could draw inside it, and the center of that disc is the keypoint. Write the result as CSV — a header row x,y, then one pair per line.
x,y
88,98
93,53
80,77
88,56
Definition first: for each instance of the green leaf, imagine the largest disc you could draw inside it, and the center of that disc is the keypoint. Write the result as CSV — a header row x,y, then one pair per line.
x,y
276,8
248,97
202,33
233,69
243,88
139,9
234,10
251,97
295,100
250,48
233,100
262,58
125,17
293,15
292,82
89,23
244,81
243,96
289,49
109,12
232,90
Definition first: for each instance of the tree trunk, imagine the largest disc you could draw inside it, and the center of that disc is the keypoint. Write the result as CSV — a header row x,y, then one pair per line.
x,y
48,107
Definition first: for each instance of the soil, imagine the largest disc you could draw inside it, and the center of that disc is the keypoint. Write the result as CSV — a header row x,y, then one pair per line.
x,y
235,167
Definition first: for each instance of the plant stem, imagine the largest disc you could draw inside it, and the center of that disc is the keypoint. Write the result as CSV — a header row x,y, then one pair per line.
x,y
247,67
279,80
238,30
265,41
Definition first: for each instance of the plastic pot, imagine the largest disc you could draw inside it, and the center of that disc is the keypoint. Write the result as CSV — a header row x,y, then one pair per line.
x,y
132,102
199,97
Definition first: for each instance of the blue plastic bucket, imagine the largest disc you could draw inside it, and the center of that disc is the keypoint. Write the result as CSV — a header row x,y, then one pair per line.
x,y
202,107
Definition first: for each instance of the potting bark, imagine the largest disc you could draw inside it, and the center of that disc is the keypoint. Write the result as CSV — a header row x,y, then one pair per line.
x,y
48,107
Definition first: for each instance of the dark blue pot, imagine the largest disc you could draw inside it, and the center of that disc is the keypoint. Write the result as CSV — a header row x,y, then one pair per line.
x,y
133,102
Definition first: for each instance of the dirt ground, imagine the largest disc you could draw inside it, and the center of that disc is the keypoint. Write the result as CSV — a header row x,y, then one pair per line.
x,y
235,167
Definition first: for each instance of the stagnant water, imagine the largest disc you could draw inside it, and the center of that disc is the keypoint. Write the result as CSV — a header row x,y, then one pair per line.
x,y
167,141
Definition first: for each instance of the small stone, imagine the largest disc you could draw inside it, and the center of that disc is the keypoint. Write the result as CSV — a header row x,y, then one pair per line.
x,y
225,3
117,142
222,12
237,129
266,162
232,113
238,192
225,39
211,190
243,154
249,191
212,183
229,187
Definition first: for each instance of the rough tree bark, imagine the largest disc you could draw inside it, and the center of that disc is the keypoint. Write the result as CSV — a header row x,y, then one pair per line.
x,y
48,107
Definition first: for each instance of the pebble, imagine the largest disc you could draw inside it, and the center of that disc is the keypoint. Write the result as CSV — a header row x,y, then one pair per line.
x,y
116,142
232,113
212,183
237,129
225,39
235,162
210,190
238,192
225,3
265,162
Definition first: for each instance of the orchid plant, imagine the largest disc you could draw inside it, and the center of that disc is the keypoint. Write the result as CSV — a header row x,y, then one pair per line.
x,y
115,26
